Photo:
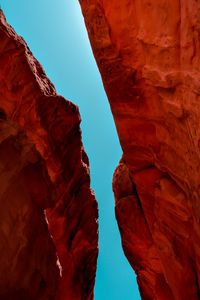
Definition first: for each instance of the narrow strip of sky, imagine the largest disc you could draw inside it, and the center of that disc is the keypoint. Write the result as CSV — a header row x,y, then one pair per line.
x,y
55,32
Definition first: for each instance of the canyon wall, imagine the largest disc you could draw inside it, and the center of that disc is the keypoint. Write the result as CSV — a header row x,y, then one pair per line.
x,y
48,218
148,53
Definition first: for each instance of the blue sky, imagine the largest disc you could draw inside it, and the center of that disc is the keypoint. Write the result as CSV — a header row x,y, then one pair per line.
x,y
55,32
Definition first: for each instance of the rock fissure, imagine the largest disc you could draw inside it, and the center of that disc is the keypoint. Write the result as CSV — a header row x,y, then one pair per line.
x,y
148,54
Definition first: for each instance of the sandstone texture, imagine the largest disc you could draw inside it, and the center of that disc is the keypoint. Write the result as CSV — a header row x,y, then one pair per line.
x,y
148,53
48,216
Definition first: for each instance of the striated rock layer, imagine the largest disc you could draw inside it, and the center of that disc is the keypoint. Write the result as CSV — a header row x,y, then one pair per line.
x,y
44,176
148,53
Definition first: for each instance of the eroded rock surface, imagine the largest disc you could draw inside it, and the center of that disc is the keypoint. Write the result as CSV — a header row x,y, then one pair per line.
x,y
148,54
28,268
43,166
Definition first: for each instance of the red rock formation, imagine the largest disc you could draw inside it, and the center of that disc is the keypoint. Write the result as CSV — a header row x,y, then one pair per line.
x,y
43,165
148,53
28,268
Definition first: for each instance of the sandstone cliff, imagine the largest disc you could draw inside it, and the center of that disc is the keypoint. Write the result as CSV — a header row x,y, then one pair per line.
x,y
148,54
48,217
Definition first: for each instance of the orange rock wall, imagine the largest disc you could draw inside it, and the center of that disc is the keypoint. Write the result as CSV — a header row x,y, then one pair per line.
x,y
28,268
148,54
43,166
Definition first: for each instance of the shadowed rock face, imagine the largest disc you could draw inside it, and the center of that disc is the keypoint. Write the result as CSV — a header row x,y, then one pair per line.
x,y
44,176
28,268
148,54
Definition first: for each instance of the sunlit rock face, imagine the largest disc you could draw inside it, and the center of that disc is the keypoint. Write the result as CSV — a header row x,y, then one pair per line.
x,y
48,215
148,54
